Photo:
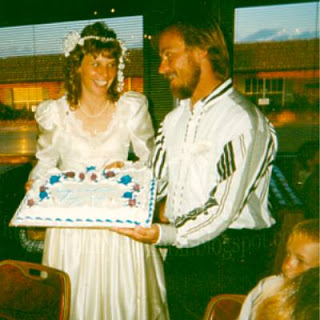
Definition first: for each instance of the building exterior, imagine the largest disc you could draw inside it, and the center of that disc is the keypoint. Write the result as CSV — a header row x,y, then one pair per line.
x,y
26,81
274,75
278,75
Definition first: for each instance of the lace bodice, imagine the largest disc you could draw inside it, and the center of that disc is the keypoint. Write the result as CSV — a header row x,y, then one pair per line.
x,y
64,143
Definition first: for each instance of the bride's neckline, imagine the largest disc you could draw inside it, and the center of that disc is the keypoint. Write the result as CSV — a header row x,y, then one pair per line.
x,y
96,115
95,133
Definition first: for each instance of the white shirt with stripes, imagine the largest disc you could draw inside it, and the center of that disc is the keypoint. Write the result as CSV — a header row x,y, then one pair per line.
x,y
214,165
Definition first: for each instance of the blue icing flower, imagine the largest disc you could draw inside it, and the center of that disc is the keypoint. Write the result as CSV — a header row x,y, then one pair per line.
x,y
127,195
43,195
125,179
54,179
91,168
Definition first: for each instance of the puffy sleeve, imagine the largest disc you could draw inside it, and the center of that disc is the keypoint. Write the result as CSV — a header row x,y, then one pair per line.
x,y
139,125
47,117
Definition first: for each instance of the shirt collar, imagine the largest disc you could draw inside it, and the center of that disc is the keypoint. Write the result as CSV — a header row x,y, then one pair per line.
x,y
217,92
225,86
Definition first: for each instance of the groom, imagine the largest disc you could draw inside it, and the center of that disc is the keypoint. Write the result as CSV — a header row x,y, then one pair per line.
x,y
213,162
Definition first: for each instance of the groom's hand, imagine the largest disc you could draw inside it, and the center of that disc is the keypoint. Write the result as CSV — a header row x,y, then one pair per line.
x,y
141,234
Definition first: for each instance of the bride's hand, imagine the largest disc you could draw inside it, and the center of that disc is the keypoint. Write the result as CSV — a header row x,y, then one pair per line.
x,y
115,164
28,184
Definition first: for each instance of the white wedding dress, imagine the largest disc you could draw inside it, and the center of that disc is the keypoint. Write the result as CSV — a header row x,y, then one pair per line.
x,y
112,276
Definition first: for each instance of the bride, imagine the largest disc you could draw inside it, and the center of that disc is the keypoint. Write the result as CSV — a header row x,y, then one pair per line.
x,y
112,276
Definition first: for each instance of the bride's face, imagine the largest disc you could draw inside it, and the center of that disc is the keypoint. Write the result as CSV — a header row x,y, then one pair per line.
x,y
97,74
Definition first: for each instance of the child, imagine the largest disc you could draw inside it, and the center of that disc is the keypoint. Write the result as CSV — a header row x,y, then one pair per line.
x,y
302,254
298,299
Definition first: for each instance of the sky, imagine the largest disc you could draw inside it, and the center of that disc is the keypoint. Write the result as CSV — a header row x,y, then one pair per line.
x,y
252,24
277,22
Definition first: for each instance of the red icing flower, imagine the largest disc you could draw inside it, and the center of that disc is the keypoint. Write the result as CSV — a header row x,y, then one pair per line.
x,y
136,187
30,202
132,202
110,174
82,176
42,189
70,174
93,177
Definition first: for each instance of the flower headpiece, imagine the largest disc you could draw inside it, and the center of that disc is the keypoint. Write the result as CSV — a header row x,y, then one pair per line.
x,y
74,38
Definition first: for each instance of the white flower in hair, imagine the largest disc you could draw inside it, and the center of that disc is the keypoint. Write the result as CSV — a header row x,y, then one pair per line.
x,y
121,66
70,42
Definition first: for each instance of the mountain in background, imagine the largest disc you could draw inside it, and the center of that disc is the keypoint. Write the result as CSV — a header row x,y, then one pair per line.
x,y
278,35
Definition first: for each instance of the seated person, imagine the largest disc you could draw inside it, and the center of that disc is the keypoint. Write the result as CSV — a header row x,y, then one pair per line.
x,y
297,299
306,162
302,253
305,177
310,194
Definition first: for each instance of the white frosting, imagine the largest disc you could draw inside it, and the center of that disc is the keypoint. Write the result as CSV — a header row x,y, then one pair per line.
x,y
114,197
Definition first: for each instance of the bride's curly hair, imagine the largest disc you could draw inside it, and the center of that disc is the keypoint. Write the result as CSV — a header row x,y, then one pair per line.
x,y
110,49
